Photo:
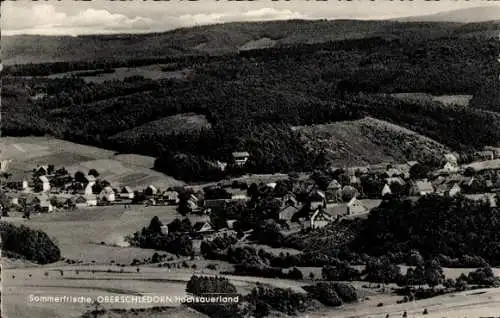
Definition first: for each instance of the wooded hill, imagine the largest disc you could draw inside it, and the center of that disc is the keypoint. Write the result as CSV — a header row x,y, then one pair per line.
x,y
251,99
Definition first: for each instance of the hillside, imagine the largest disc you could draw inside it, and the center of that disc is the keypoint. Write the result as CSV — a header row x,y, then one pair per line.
x,y
28,152
212,39
469,15
369,141
249,101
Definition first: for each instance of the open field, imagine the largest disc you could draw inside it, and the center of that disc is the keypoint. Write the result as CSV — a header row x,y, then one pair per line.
x,y
460,100
153,72
79,233
180,123
369,141
119,169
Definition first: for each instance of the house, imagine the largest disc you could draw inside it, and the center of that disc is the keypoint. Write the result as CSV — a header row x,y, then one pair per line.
x,y
448,188
88,190
127,193
240,198
4,165
451,158
43,204
484,155
355,206
151,190
191,204
203,228
332,190
43,184
14,201
386,190
496,151
320,218
240,158
42,170
451,167
317,199
90,179
107,194
85,201
221,165
287,213
164,229
171,197
289,199
336,210
215,203
393,172
230,224
421,187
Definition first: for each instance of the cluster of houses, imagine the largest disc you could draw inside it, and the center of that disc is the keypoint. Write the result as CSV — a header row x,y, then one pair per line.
x,y
342,198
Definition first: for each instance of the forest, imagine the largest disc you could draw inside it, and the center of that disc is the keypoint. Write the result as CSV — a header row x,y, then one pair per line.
x,y
253,98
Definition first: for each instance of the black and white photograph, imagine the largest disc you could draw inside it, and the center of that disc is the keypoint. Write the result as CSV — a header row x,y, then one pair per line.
x,y
250,159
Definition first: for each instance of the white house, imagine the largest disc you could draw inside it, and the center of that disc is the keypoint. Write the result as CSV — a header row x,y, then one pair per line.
x,y
171,197
355,206
4,165
107,194
45,183
88,189
126,193
240,158
85,201
164,229
151,190
320,219
44,204
421,187
386,190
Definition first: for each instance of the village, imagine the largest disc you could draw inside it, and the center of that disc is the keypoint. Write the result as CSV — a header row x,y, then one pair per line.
x,y
300,203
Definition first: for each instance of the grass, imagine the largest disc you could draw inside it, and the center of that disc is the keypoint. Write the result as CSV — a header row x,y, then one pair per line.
x,y
153,72
179,123
368,141
461,100
133,170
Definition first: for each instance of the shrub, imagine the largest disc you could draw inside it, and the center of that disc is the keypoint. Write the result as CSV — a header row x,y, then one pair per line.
x,y
34,245
325,293
346,292
295,273
482,276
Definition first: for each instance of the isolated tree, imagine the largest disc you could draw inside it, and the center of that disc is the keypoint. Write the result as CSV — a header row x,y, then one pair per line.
x,y
93,172
469,172
79,176
433,273
155,225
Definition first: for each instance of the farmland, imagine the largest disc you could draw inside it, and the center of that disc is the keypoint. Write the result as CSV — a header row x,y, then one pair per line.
x,y
122,169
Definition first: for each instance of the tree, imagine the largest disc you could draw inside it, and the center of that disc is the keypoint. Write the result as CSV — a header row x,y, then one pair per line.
x,y
80,177
419,171
93,172
469,172
433,273
155,225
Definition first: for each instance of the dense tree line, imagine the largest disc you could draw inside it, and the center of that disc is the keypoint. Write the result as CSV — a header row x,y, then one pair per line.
x,y
33,245
251,100
433,225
